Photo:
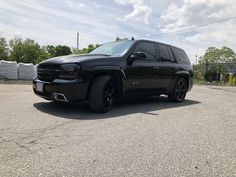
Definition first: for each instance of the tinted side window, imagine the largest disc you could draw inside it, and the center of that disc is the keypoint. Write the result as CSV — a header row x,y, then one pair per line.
x,y
172,58
181,56
164,53
148,48
157,51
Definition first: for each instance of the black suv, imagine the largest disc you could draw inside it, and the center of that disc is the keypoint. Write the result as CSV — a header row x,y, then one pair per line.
x,y
113,70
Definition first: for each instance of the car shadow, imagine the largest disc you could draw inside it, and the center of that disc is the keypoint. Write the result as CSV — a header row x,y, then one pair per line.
x,y
81,111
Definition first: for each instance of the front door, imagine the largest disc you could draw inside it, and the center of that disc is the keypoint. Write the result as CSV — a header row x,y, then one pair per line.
x,y
142,74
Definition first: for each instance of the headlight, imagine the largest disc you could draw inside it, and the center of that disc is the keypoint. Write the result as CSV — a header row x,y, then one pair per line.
x,y
69,71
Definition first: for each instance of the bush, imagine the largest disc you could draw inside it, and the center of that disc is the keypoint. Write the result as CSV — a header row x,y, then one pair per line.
x,y
232,80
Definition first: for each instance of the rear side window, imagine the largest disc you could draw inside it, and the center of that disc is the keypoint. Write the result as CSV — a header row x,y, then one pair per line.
x,y
148,48
180,56
164,53
172,58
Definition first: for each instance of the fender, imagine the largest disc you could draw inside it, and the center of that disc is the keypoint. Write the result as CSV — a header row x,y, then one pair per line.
x,y
115,71
108,70
182,73
179,74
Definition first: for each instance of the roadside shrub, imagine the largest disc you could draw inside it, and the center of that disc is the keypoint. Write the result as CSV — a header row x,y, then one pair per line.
x,y
232,80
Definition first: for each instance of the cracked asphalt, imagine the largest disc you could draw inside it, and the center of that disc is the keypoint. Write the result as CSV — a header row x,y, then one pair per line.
x,y
139,137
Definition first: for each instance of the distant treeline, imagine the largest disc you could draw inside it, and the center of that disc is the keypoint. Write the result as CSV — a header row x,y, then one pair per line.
x,y
29,51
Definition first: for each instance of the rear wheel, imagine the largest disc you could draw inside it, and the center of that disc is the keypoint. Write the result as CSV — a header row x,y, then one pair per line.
x,y
179,92
101,94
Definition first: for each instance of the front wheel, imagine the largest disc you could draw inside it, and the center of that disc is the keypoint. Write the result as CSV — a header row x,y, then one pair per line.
x,y
101,94
179,92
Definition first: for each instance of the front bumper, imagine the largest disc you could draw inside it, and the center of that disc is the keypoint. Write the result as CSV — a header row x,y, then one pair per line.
x,y
73,90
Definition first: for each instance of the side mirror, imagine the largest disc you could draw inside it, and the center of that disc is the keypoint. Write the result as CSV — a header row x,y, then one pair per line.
x,y
136,56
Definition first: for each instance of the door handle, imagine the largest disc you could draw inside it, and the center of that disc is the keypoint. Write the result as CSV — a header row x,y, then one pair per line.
x,y
156,68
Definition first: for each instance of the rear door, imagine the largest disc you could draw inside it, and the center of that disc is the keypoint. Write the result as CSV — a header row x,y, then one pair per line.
x,y
167,65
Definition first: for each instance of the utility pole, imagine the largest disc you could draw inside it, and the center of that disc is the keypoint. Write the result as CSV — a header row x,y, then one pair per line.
x,y
196,60
77,41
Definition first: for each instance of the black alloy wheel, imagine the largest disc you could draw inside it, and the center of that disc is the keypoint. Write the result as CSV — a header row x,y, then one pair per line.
x,y
101,94
108,96
179,91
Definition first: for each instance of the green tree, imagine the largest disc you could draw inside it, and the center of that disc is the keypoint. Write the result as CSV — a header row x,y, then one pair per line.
x,y
3,49
51,50
59,50
91,47
31,51
85,50
62,50
121,39
43,54
218,55
228,54
16,51
24,51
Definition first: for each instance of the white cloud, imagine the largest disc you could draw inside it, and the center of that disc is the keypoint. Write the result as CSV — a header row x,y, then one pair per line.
x,y
140,13
196,12
50,24
193,13
81,5
73,4
68,3
57,22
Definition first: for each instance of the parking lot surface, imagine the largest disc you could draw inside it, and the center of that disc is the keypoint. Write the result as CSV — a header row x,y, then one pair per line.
x,y
139,137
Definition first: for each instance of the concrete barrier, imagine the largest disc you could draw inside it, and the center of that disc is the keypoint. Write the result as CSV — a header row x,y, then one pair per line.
x,y
9,69
26,71
13,71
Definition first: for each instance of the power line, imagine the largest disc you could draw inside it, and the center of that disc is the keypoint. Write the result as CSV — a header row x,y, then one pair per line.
x,y
192,28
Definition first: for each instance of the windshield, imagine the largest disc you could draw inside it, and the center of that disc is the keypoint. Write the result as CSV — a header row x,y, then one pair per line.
x,y
118,48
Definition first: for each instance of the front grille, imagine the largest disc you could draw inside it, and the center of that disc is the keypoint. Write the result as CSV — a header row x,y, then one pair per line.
x,y
48,72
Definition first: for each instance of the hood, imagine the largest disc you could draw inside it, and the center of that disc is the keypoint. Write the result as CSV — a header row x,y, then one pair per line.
x,y
74,58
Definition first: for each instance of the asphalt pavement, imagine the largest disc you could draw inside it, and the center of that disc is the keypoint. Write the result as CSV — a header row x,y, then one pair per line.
x,y
139,137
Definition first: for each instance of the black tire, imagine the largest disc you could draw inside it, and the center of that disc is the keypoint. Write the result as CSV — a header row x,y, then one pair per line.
x,y
179,92
101,94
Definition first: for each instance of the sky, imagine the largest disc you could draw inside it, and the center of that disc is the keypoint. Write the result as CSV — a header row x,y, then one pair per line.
x,y
54,22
